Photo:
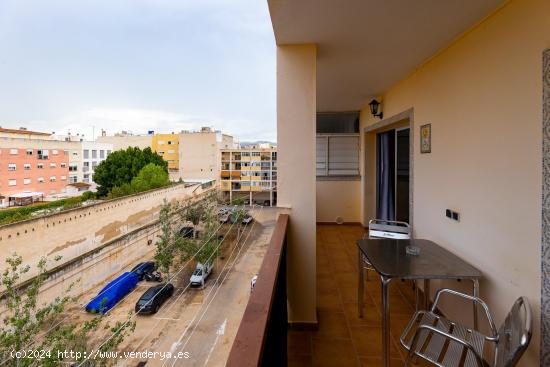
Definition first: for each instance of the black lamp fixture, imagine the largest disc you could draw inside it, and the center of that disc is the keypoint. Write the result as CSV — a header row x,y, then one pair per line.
x,y
374,105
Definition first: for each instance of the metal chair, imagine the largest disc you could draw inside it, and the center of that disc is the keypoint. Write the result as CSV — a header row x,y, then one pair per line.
x,y
446,343
379,228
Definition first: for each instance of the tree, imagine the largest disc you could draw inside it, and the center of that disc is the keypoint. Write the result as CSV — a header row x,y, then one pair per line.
x,y
169,242
150,177
122,166
29,326
237,216
210,247
195,213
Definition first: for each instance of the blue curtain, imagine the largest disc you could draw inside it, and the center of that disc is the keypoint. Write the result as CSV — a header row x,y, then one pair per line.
x,y
385,175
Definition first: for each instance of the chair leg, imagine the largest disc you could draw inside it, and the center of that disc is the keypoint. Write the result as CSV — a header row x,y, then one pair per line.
x,y
416,296
410,358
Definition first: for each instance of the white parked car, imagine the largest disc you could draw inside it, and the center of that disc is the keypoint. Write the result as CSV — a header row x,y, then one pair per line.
x,y
202,271
247,219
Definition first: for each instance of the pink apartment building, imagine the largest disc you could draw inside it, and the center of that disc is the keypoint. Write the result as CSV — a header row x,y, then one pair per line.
x,y
31,171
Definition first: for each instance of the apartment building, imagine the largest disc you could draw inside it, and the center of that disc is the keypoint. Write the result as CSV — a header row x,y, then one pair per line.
x,y
93,153
34,167
249,174
124,139
191,155
200,153
167,146
44,164
23,133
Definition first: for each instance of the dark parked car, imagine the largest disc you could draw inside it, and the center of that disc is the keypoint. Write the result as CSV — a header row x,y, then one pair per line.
x,y
186,232
153,298
144,268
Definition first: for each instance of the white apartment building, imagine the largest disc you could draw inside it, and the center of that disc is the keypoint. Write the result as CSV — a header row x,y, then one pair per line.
x,y
92,153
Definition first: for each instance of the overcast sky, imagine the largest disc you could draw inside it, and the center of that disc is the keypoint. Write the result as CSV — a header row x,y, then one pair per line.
x,y
138,65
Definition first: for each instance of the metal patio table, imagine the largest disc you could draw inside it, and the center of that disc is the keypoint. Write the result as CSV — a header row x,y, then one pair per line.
x,y
388,257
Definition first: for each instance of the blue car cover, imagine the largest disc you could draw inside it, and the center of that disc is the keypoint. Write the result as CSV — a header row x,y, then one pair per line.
x,y
112,293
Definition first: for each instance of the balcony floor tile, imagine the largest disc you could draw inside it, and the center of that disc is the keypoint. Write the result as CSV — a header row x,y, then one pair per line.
x,y
343,339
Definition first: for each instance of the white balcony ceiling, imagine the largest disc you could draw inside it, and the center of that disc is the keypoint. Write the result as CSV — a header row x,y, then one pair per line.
x,y
367,46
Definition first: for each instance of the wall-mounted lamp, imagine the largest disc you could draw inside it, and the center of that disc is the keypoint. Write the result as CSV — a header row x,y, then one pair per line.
x,y
374,105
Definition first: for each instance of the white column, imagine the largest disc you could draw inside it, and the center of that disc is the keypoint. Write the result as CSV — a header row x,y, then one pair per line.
x,y
296,118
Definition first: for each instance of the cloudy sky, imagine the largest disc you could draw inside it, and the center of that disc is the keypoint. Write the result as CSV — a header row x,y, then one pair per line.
x,y
138,65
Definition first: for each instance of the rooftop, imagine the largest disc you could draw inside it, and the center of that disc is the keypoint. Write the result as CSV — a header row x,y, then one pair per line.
x,y
23,131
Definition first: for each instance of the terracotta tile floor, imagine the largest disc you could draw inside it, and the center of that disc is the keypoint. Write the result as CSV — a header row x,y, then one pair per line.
x,y
342,338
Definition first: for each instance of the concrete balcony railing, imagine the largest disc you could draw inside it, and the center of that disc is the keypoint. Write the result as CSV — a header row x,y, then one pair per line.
x,y
262,336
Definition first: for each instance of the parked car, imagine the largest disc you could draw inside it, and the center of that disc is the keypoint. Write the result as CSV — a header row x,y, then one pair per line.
x,y
143,268
247,219
202,271
113,292
153,277
153,298
186,231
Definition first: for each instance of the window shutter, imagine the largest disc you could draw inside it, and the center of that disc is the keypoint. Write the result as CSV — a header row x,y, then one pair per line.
x,y
343,156
322,155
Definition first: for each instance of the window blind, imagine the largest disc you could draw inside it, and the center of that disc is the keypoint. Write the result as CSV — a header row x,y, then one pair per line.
x,y
337,155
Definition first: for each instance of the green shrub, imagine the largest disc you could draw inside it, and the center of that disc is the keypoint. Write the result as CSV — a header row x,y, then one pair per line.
x,y
89,195
25,212
119,191
150,177
72,202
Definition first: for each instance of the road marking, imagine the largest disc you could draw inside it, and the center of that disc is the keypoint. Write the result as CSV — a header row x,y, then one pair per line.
x,y
166,318
220,331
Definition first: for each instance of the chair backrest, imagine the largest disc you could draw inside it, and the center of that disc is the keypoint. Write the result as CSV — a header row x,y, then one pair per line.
x,y
515,334
379,228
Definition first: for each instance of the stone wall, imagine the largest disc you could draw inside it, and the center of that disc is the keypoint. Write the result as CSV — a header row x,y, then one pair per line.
x,y
76,232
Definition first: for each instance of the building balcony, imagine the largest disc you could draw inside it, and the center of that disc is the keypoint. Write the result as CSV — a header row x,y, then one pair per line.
x,y
340,338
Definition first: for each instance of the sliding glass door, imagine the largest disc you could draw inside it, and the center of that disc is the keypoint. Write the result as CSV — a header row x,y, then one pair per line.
x,y
392,175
